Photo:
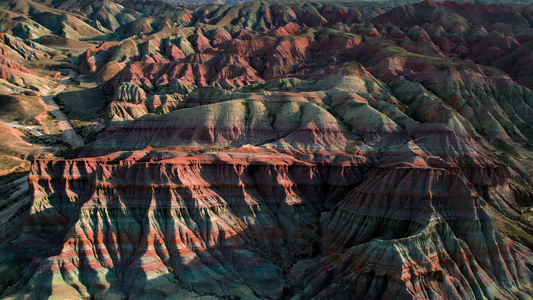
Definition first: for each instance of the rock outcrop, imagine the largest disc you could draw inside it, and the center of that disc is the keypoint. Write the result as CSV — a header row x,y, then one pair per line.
x,y
281,150
160,221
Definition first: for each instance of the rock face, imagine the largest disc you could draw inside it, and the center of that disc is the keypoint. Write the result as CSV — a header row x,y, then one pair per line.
x,y
289,150
422,210
160,223
14,77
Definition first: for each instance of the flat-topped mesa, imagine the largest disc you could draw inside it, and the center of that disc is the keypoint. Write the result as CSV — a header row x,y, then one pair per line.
x,y
194,220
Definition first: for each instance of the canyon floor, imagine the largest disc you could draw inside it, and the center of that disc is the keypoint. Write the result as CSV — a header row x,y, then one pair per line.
x,y
266,150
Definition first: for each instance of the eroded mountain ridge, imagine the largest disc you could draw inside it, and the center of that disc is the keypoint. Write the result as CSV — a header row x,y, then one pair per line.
x,y
278,150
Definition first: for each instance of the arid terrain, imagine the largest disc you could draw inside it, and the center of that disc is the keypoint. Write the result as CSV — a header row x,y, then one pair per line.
x,y
271,150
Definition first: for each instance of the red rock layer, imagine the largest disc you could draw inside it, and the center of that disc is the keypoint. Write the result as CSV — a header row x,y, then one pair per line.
x,y
414,229
14,52
134,223
15,49
342,162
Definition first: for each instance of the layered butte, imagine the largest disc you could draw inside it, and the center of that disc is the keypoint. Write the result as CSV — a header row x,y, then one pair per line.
x,y
286,150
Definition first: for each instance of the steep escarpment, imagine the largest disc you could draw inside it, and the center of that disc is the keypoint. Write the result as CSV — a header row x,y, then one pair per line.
x,y
168,223
172,226
422,210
